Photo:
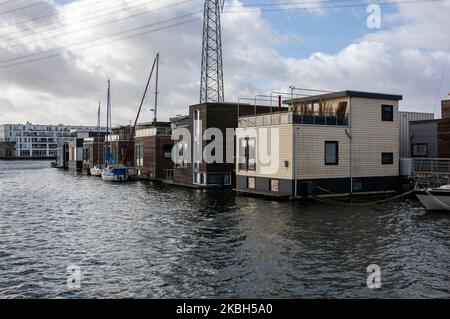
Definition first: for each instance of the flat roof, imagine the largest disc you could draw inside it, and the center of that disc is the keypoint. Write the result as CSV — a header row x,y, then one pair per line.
x,y
334,95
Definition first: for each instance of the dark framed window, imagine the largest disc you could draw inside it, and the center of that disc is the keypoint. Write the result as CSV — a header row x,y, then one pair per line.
x,y
247,154
420,150
387,158
331,153
387,113
167,148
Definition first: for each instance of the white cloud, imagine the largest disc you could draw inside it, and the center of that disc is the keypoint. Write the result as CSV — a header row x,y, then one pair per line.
x,y
407,59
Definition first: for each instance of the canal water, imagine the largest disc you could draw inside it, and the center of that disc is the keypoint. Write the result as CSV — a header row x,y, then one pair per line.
x,y
140,240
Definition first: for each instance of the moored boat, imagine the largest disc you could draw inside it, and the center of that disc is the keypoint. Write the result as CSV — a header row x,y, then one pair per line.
x,y
435,198
117,174
96,171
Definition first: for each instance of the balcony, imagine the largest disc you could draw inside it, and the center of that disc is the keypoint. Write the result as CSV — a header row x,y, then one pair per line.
x,y
315,118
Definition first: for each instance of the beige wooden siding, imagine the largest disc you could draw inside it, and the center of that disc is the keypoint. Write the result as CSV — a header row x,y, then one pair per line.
x,y
283,144
372,136
309,151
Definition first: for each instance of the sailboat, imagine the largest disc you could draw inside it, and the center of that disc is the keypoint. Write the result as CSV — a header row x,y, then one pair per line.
x,y
97,169
112,173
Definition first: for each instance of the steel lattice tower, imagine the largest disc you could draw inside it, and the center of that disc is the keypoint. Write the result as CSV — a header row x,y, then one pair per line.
x,y
211,89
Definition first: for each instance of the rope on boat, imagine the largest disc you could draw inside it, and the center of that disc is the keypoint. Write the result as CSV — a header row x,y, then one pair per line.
x,y
330,201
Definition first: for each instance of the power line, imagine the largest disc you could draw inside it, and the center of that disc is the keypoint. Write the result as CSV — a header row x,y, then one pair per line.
x,y
48,15
6,2
101,38
24,7
116,40
147,26
385,3
135,15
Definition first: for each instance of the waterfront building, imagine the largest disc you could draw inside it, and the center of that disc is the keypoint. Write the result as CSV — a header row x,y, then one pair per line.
x,y
405,135
77,155
7,150
94,150
222,116
37,141
182,171
335,143
431,138
153,150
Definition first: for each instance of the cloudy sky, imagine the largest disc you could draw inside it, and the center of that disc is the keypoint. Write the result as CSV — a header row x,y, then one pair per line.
x,y
57,55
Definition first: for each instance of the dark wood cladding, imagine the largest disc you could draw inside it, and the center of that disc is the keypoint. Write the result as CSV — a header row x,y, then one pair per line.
x,y
222,116
95,153
445,109
154,162
444,138
7,150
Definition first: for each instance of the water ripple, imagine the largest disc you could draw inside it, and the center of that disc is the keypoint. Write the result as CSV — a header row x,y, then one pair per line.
x,y
144,240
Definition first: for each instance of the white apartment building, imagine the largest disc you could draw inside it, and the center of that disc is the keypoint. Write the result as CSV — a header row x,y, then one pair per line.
x,y
38,141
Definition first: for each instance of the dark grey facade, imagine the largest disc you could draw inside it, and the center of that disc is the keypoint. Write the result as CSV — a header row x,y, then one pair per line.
x,y
313,187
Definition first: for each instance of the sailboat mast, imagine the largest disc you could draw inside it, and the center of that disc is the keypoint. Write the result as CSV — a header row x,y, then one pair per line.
x,y
98,133
155,120
108,117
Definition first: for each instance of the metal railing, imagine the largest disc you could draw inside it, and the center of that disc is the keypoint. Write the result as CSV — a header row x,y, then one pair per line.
x,y
431,165
168,174
293,118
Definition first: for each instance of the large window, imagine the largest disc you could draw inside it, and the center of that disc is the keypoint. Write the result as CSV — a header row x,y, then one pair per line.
x,y
387,158
139,152
331,153
247,154
420,150
387,113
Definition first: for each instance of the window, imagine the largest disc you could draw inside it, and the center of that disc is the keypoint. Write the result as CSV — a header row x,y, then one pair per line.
x,y
331,153
387,158
167,151
274,183
251,183
420,150
387,113
247,154
139,154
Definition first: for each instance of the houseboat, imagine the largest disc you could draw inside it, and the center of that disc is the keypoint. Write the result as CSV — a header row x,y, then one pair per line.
x,y
329,144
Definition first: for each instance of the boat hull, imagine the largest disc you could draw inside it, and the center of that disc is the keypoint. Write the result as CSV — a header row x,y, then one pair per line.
x,y
114,178
96,171
434,200
115,175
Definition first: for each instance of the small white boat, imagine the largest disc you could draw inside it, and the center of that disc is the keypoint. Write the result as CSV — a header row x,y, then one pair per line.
x,y
118,174
435,198
96,171
132,172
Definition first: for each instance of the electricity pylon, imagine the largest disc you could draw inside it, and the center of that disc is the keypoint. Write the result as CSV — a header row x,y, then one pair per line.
x,y
211,89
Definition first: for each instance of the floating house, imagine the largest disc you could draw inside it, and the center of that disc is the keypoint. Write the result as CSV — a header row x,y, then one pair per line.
x,y
328,144
94,150
76,150
198,172
7,150
431,138
153,148
181,174
119,145
405,135
62,155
